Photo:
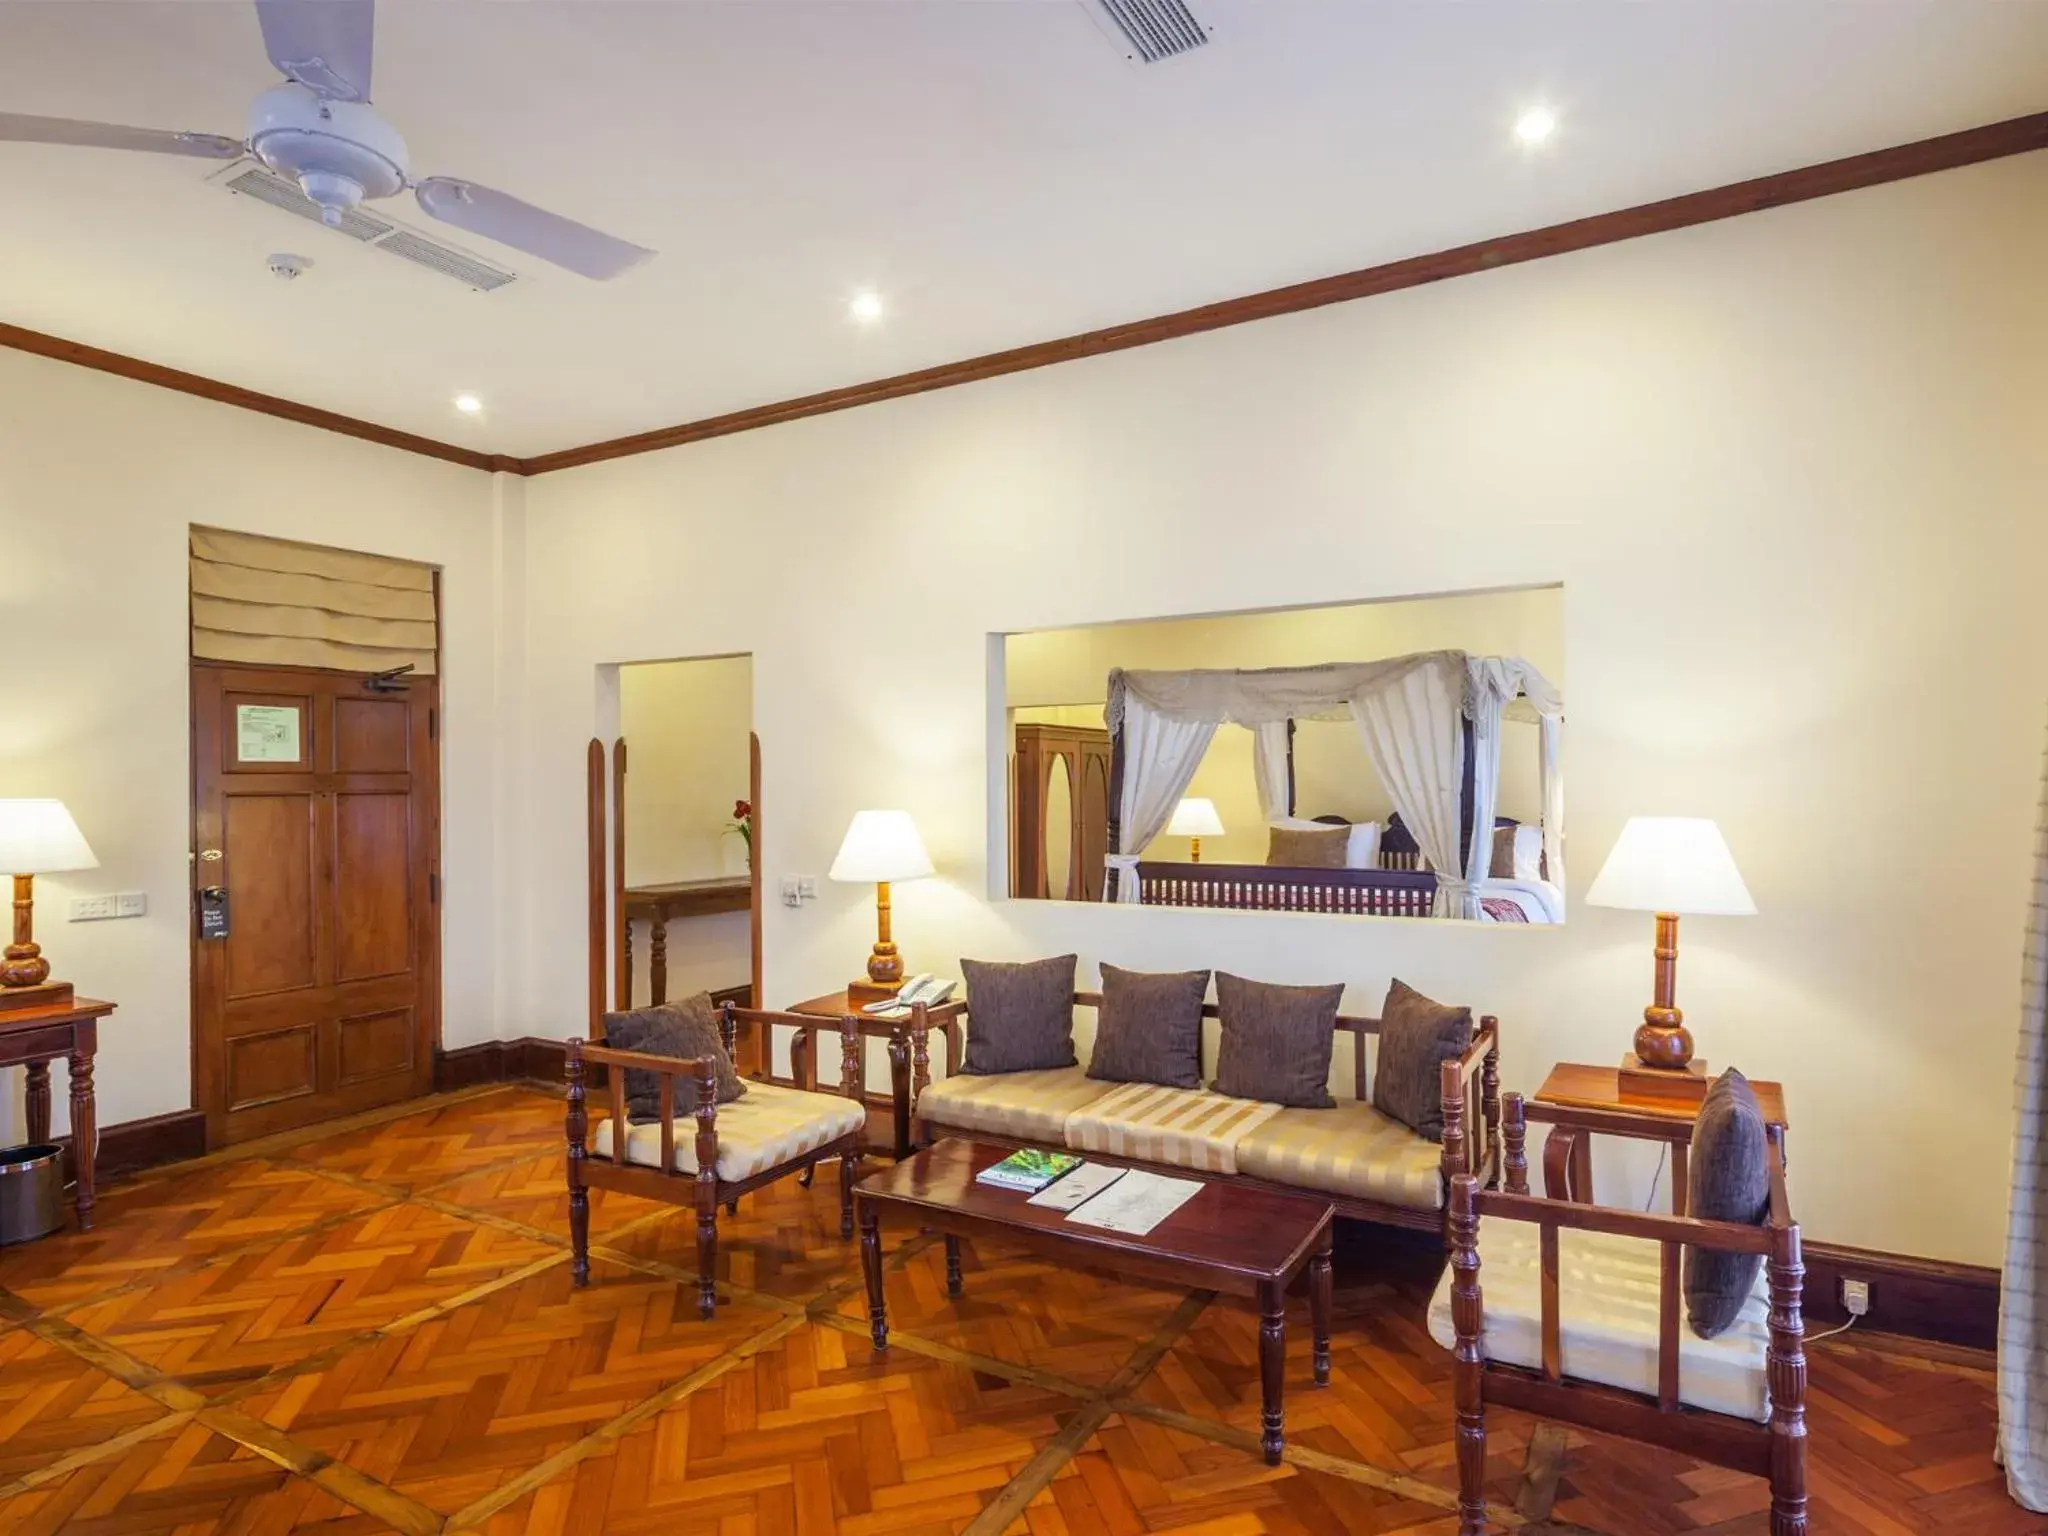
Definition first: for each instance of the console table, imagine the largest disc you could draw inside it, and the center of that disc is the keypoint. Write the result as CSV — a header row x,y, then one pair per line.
x,y
659,905
34,1040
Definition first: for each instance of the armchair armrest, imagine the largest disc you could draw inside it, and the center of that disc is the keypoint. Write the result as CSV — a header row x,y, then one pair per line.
x,y
1466,1149
847,1027
668,1070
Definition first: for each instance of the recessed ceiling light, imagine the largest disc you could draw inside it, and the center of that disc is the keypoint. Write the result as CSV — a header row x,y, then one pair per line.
x,y
1535,125
865,306
469,405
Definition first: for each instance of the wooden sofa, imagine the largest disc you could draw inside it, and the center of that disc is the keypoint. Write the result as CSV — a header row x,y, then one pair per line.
x,y
1370,1167
1556,1316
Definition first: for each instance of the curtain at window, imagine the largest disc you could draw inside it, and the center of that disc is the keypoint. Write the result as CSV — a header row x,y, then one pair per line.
x,y
1551,732
1160,757
1270,767
273,603
1414,732
2023,1297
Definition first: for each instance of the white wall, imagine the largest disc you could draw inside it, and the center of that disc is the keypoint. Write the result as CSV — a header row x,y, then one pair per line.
x,y
1790,469
100,479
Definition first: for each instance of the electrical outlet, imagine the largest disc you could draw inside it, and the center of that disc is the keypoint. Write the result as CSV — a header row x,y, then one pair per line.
x,y
807,886
93,909
1856,1297
131,904
792,891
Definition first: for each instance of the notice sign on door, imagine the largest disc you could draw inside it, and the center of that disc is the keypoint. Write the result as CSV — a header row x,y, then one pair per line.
x,y
267,733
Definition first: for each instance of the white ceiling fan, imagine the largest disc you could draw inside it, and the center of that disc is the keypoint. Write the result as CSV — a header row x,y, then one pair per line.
x,y
319,129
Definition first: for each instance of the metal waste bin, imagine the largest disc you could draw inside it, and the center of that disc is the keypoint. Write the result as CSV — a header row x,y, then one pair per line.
x,y
31,1192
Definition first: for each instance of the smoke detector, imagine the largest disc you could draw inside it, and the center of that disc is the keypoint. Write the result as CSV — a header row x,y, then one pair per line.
x,y
1149,31
285,266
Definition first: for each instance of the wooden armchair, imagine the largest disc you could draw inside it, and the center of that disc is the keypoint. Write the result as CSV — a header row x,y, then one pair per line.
x,y
1751,1380
729,1150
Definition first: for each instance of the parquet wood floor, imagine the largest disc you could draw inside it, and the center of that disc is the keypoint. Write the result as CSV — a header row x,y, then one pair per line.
x,y
369,1327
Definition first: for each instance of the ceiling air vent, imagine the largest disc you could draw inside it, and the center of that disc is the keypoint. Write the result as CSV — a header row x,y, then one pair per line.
x,y
1149,30
246,178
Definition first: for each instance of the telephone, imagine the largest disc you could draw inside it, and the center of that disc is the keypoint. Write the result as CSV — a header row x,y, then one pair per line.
x,y
924,988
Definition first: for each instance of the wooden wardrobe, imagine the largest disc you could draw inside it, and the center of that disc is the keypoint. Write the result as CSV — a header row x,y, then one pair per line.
x,y
1061,793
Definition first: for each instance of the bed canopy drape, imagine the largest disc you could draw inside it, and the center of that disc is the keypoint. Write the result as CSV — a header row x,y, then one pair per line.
x,y
1431,727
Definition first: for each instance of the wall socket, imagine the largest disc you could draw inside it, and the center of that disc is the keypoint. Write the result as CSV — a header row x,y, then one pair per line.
x,y
1856,1297
96,909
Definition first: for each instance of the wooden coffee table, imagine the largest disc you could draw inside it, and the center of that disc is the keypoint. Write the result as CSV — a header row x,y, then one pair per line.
x,y
1230,1237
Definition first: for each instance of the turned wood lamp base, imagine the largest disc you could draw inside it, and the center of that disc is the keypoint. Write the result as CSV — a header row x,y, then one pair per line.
x,y
1662,1065
25,985
885,966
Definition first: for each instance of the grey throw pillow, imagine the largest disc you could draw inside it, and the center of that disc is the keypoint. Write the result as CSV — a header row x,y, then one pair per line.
x,y
686,1030
1020,1017
1729,1180
1276,1041
1417,1036
1149,1028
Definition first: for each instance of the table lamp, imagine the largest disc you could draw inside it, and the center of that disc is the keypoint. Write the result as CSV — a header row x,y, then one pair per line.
x,y
1195,819
1669,865
882,847
37,837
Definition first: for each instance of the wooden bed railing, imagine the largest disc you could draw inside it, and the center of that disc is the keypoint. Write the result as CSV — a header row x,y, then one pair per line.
x,y
1276,888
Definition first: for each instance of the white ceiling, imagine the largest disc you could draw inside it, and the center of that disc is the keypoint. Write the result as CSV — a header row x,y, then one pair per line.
x,y
992,167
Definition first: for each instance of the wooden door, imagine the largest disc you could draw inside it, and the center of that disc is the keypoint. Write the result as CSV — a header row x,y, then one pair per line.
x,y
316,809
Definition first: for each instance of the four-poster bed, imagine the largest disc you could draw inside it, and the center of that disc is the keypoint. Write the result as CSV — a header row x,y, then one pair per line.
x,y
1431,727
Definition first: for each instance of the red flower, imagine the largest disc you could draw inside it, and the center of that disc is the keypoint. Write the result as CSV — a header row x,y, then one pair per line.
x,y
741,810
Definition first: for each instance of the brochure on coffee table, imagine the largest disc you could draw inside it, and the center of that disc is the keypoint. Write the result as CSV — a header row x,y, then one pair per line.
x,y
1078,1187
1137,1203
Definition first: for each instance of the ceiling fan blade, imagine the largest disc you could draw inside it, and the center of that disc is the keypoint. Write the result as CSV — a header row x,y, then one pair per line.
x,y
322,44
526,228
23,129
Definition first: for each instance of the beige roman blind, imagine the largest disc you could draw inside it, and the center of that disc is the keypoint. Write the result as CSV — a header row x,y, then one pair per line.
x,y
273,603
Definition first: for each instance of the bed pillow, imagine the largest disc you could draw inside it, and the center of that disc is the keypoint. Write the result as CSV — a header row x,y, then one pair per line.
x,y
1362,851
1020,1016
1502,866
1149,1028
1528,853
1300,848
687,1031
1276,1041
1417,1036
1728,1180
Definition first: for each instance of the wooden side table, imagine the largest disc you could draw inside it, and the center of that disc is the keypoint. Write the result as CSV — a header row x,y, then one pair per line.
x,y
1573,1085
36,1039
660,905
910,1068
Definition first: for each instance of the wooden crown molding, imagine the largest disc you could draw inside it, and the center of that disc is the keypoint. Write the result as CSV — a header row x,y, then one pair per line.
x,y
1949,151
23,340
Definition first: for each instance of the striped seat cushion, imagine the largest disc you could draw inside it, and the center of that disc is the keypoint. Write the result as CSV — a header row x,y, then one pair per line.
x,y
1026,1106
772,1125
1350,1150
1180,1127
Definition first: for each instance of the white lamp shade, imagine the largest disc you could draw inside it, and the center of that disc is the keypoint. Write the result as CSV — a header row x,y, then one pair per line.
x,y
1195,817
38,837
1672,864
879,846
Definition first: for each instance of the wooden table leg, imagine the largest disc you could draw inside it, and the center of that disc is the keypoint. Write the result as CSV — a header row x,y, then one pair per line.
x,y
39,1101
1272,1366
871,1268
1582,1169
899,1092
657,966
953,1282
84,1126
1319,1307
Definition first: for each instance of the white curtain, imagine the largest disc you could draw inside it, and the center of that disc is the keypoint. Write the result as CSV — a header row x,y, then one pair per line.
x,y
1160,759
2023,1298
1413,728
1486,706
1551,781
1270,768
